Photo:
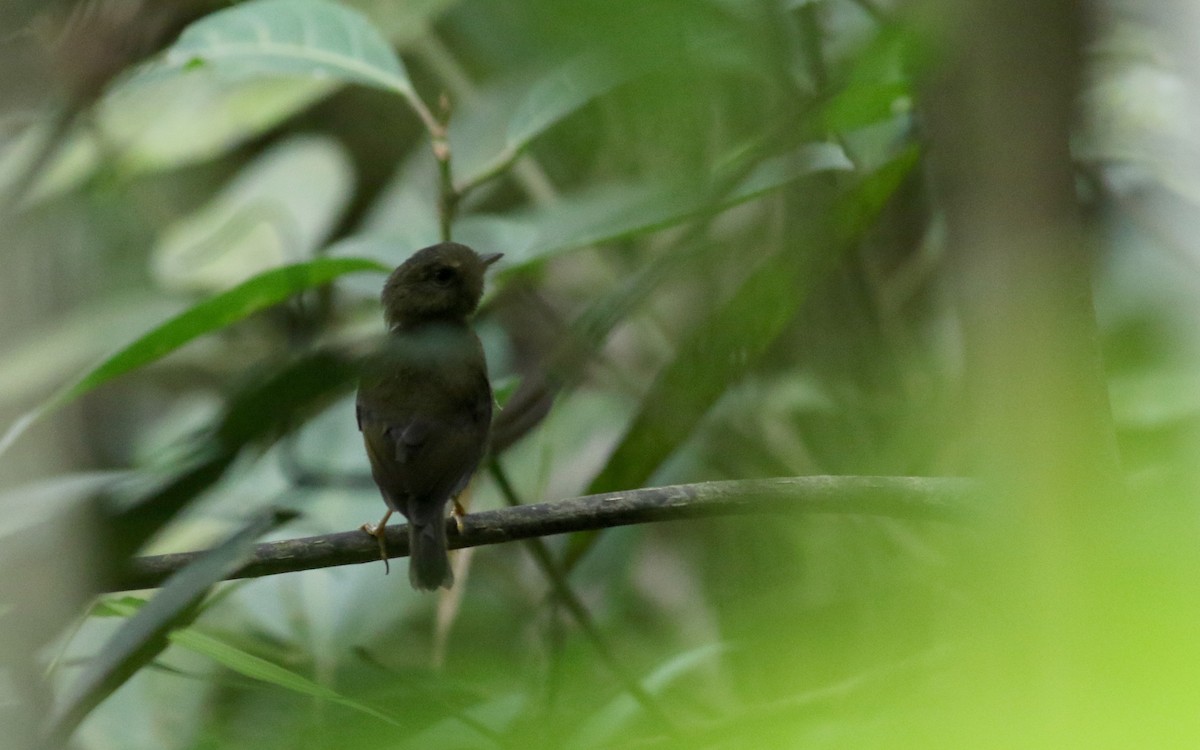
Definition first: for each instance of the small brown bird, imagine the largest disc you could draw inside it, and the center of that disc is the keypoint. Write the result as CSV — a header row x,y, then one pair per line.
x,y
424,402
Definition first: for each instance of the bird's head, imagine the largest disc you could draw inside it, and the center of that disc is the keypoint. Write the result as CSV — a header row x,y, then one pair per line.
x,y
441,283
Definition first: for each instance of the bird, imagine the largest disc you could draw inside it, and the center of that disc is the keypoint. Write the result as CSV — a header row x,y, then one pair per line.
x,y
424,403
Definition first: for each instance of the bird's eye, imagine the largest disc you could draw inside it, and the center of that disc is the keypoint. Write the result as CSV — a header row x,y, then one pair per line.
x,y
443,276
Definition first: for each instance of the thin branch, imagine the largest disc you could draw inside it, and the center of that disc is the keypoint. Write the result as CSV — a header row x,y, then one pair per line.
x,y
447,196
913,498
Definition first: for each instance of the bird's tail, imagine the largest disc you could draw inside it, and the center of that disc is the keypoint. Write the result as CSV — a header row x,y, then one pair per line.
x,y
428,562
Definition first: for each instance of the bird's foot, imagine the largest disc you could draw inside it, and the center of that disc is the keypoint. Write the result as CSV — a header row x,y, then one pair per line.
x,y
377,530
457,511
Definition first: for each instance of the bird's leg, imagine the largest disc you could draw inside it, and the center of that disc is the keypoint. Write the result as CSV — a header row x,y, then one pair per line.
x,y
457,511
377,531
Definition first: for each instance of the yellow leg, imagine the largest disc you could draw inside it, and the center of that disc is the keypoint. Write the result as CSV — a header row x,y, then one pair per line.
x,y
377,531
457,511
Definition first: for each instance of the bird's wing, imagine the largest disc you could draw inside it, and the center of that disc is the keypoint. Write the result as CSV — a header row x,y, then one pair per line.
x,y
420,452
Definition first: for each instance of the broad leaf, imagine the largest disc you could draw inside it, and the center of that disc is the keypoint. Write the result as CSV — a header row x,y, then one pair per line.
x,y
309,38
161,121
566,89
277,210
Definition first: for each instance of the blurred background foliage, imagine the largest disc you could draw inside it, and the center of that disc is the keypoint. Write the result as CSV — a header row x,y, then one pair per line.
x,y
723,260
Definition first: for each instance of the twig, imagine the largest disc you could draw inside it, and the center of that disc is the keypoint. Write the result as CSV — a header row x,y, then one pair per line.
x,y
448,197
913,498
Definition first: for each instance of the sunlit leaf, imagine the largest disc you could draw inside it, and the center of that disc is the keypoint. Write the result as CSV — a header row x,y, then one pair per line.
x,y
155,122
277,210
258,293
309,38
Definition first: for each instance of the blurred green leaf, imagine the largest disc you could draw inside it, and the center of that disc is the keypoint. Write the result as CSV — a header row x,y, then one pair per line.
x,y
59,349
76,156
866,104
144,636
256,415
308,38
122,606
720,350
563,91
877,86
729,342
567,88
602,729
224,309
277,210
257,668
401,23
474,727
153,122
617,211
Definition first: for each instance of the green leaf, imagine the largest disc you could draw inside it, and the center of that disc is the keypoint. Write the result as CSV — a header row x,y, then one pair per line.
x,y
257,414
277,210
601,730
144,636
877,87
159,120
239,660
262,291
258,293
618,211
730,341
309,38
257,668
565,90
866,104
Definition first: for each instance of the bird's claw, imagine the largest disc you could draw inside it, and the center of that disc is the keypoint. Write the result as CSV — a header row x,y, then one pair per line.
x,y
377,531
457,511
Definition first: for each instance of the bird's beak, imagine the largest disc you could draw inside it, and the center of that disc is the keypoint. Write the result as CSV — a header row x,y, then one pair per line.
x,y
491,258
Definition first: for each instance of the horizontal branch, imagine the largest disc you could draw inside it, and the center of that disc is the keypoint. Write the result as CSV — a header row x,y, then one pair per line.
x,y
917,498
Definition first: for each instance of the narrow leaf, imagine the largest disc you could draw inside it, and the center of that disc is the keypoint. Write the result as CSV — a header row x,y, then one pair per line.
x,y
601,730
257,668
256,414
730,341
262,291
618,211
239,660
144,636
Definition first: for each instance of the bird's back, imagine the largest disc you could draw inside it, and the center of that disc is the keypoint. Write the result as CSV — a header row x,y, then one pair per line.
x,y
424,407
